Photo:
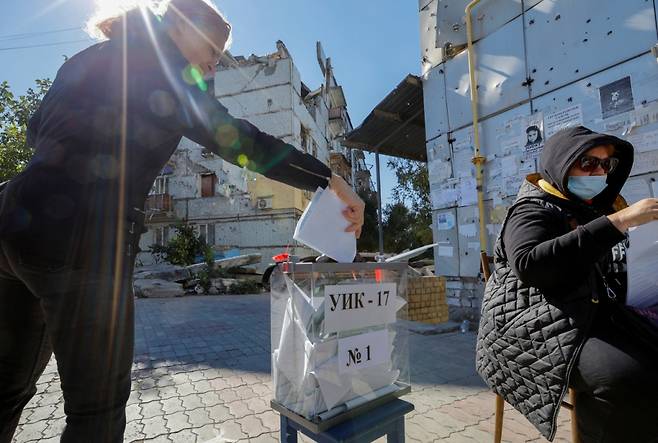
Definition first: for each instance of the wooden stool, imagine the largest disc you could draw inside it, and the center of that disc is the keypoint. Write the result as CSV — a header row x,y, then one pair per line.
x,y
485,263
387,419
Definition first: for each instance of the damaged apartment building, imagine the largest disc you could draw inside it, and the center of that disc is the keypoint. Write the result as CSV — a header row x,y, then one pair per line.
x,y
235,210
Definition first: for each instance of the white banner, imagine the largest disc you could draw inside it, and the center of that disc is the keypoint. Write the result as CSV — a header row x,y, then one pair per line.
x,y
348,307
363,351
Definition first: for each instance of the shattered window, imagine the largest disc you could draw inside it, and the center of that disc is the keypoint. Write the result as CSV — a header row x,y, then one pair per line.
x,y
207,233
160,186
306,137
161,235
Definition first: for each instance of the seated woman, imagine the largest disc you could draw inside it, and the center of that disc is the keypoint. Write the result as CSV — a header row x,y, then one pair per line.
x,y
553,313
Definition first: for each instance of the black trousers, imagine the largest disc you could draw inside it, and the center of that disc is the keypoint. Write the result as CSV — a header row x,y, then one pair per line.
x,y
82,314
616,380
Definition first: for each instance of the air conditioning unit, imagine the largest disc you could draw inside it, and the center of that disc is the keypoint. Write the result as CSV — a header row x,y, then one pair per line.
x,y
264,203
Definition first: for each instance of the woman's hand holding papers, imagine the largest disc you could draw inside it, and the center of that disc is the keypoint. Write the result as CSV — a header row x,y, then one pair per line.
x,y
637,214
355,206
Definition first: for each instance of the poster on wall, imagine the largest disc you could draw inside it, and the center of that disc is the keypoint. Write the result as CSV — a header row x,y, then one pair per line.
x,y
616,98
564,118
534,133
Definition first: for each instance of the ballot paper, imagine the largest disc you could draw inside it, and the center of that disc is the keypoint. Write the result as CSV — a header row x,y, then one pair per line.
x,y
322,227
642,264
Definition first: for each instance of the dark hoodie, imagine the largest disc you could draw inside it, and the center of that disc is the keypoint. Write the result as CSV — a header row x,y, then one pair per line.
x,y
547,292
543,251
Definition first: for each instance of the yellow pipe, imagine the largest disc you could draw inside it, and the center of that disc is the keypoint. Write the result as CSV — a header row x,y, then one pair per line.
x,y
478,160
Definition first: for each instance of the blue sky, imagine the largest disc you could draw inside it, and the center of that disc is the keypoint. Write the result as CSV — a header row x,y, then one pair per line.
x,y
372,44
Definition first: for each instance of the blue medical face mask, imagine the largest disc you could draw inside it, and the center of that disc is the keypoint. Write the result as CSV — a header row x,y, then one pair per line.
x,y
587,187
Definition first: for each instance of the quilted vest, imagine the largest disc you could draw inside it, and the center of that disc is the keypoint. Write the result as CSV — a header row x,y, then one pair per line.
x,y
528,340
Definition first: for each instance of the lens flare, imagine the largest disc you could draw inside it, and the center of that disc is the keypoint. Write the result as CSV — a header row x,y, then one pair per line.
x,y
193,76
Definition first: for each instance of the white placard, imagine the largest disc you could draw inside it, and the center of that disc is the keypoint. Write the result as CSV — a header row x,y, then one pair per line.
x,y
647,114
475,245
348,307
647,141
467,192
509,165
445,221
645,162
468,230
363,351
445,251
564,118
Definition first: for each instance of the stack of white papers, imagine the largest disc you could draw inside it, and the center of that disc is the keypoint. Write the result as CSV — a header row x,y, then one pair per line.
x,y
322,227
642,263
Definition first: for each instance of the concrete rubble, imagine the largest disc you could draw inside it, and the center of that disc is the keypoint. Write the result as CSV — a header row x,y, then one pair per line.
x,y
165,280
156,288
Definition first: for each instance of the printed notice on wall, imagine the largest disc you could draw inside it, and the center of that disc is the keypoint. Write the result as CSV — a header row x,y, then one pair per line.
x,y
534,132
616,98
363,351
468,192
644,142
445,221
445,251
348,307
565,118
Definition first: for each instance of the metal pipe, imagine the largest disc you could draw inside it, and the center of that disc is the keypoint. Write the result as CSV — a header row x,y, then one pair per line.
x,y
353,164
478,160
379,205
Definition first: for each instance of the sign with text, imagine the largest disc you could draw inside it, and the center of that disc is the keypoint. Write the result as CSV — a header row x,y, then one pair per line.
x,y
363,351
348,307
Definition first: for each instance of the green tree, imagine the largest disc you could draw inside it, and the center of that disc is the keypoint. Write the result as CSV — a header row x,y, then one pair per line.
x,y
369,240
414,189
399,228
183,248
15,112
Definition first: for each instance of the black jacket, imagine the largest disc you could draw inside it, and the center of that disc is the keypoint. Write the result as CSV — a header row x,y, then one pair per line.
x,y
113,117
553,267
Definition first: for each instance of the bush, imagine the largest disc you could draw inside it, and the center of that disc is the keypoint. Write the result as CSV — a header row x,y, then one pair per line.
x,y
182,249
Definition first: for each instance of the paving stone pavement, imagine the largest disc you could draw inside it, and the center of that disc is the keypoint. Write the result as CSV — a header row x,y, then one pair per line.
x,y
202,373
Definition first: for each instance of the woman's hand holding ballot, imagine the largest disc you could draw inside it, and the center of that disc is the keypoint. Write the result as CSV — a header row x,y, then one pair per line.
x,y
355,206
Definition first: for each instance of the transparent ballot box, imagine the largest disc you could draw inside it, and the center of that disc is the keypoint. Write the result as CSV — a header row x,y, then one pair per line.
x,y
337,348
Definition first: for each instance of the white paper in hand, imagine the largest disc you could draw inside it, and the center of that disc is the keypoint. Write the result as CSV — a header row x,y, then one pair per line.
x,y
322,227
642,260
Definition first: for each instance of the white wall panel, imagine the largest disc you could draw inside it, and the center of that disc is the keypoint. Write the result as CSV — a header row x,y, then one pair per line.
x,y
488,16
469,241
502,140
249,78
569,39
446,254
430,54
500,71
439,160
434,100
636,124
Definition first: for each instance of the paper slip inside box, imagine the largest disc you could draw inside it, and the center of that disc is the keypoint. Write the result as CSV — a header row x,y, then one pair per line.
x,y
322,227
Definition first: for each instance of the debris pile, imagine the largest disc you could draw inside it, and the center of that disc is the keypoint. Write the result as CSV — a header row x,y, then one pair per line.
x,y
226,276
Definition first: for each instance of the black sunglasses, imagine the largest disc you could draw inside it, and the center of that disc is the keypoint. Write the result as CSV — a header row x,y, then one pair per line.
x,y
589,163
